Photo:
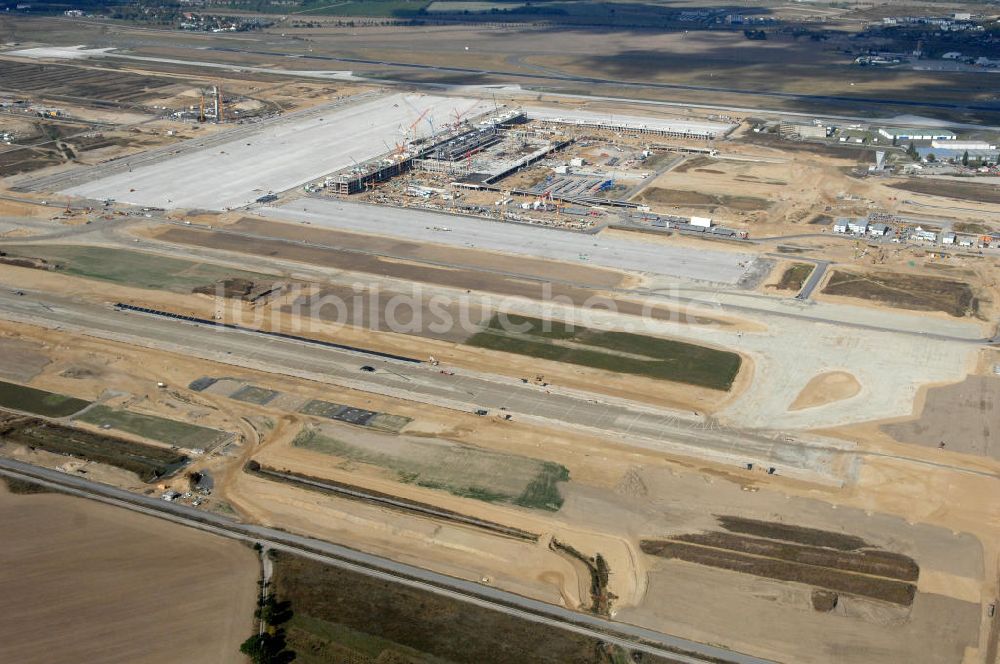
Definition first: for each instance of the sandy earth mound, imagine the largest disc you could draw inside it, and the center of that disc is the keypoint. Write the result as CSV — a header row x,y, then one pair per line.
x,y
826,388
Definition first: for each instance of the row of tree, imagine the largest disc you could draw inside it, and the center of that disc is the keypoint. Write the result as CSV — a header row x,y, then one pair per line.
x,y
269,646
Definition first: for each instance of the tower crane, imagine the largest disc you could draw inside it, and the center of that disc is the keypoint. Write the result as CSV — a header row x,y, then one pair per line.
x,y
414,124
458,116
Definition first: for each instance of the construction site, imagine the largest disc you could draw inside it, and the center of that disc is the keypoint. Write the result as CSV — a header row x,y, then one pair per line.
x,y
601,379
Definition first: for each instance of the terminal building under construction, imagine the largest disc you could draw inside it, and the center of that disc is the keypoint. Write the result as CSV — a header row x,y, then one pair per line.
x,y
447,147
442,152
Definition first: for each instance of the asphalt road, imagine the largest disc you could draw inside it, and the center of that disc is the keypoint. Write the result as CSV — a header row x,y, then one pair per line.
x,y
625,635
812,458
814,278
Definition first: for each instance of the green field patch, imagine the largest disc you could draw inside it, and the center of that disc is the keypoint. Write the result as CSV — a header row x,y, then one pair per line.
x,y
254,394
795,276
147,461
131,268
320,642
460,470
389,422
907,291
346,617
39,402
155,428
621,352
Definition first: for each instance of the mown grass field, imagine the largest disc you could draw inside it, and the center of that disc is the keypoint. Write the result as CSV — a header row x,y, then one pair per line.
x,y
906,291
131,268
341,616
458,469
38,402
620,352
155,428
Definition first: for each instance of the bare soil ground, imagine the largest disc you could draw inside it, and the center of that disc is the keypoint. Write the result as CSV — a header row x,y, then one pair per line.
x,y
663,497
822,577
827,560
482,260
761,187
826,388
963,416
934,629
17,208
963,191
79,82
21,359
695,199
88,582
353,261
13,162
938,626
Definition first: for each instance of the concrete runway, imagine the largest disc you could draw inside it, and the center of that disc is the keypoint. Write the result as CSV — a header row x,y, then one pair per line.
x,y
890,352
276,156
628,254
807,457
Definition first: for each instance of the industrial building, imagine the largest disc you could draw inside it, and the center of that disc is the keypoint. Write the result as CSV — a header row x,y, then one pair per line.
x,y
361,178
675,128
878,230
462,145
854,225
963,145
436,153
903,134
803,130
948,154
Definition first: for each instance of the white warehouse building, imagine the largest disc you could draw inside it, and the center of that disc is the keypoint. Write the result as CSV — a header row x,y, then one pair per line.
x,y
963,145
673,127
902,134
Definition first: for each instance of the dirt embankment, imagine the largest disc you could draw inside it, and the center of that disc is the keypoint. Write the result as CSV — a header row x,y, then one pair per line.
x,y
824,560
826,388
